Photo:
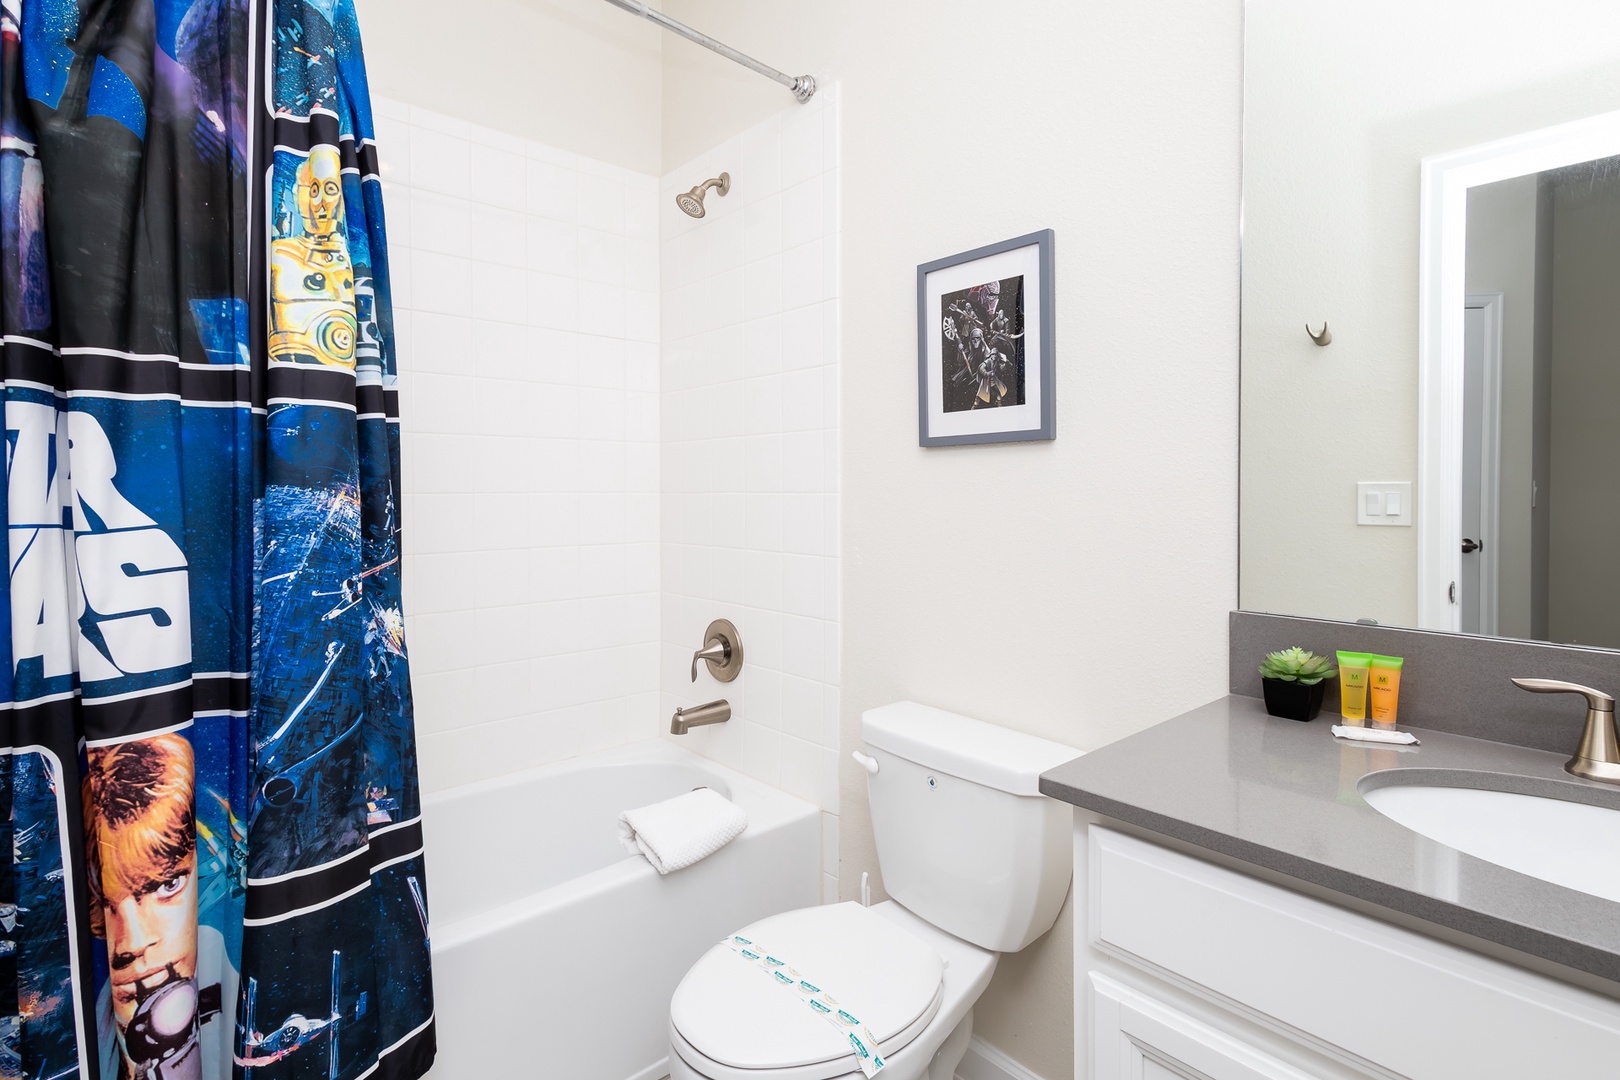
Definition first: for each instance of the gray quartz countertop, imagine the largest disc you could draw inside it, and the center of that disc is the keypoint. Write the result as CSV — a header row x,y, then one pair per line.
x,y
1284,796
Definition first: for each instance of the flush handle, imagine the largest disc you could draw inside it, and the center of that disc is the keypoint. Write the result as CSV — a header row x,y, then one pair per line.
x,y
868,763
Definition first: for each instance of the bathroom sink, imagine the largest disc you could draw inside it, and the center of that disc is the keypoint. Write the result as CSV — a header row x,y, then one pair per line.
x,y
1555,839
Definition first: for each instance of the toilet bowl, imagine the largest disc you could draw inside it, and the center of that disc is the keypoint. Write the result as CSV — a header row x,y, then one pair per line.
x,y
977,863
919,982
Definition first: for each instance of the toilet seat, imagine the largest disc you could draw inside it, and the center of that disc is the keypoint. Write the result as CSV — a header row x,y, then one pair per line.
x,y
845,1066
735,1022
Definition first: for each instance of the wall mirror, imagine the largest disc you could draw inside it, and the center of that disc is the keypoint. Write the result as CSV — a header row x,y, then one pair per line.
x,y
1438,183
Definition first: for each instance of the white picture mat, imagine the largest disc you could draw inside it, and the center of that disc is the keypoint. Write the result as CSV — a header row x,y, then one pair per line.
x,y
1012,418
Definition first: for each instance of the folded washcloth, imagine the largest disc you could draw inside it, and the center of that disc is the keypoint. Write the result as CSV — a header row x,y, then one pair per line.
x,y
678,832
1361,734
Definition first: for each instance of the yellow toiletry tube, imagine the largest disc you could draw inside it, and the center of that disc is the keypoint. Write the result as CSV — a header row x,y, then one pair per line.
x,y
1384,689
1354,668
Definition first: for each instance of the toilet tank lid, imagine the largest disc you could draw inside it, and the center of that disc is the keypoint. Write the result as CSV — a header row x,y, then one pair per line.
x,y
962,747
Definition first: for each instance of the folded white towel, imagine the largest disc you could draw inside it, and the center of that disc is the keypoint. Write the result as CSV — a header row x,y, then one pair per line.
x,y
678,832
1362,734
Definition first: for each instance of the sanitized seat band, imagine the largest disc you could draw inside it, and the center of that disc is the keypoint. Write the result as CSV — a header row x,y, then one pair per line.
x,y
823,1004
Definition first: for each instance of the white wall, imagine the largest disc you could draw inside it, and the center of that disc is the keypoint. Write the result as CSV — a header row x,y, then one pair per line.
x,y
579,75
1117,126
526,308
750,450
1342,103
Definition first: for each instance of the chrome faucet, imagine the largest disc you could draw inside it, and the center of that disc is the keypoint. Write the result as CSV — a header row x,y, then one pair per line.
x,y
1598,756
710,712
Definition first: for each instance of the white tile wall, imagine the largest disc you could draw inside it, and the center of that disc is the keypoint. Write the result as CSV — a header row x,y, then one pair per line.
x,y
527,312
750,449
618,424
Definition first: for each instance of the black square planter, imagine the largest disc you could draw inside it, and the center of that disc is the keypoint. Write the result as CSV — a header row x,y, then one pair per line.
x,y
1293,700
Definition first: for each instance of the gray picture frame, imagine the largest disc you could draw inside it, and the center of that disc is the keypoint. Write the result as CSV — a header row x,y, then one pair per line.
x,y
1043,368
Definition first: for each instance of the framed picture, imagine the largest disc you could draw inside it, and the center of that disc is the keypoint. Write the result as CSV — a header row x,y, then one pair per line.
x,y
984,345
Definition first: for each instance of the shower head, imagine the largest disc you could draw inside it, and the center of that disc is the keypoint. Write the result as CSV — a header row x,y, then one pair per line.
x,y
691,202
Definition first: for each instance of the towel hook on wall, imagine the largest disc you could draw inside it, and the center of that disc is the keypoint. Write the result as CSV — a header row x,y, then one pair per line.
x,y
1324,338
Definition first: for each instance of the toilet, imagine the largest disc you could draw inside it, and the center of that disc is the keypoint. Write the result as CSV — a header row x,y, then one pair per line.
x,y
977,863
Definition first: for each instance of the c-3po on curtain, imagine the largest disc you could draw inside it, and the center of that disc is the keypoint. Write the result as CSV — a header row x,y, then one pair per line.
x,y
337,924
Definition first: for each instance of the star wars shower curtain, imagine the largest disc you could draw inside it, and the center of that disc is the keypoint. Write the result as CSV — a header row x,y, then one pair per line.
x,y
207,765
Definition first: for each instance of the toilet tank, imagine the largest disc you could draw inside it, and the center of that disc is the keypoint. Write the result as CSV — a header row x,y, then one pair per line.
x,y
964,838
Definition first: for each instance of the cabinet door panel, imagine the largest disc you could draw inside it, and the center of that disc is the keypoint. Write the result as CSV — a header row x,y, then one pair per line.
x,y
1415,1006
1153,1070
1138,1037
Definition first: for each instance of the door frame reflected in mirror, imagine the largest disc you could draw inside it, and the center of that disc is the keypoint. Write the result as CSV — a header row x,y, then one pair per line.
x,y
1488,478
1442,297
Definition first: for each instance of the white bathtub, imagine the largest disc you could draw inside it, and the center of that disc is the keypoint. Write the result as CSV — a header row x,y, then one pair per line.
x,y
555,954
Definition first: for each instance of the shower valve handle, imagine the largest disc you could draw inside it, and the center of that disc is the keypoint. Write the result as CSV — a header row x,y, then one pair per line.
x,y
715,652
722,651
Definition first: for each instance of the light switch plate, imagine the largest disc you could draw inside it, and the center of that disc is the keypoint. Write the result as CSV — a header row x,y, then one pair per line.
x,y
1382,496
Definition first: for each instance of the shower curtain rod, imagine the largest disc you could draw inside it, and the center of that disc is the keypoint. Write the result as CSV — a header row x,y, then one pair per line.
x,y
803,87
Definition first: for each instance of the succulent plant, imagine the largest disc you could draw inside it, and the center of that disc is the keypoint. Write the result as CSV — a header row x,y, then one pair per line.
x,y
1297,665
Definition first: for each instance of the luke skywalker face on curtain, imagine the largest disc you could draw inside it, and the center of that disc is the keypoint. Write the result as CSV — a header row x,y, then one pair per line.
x,y
144,861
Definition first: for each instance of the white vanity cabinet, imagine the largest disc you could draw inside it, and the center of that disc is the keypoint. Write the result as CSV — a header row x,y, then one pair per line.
x,y
1188,969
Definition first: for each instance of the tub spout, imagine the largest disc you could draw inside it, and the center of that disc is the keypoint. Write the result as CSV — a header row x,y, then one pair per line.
x,y
710,712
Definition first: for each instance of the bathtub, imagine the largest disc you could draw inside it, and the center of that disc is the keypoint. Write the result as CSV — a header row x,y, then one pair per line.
x,y
554,953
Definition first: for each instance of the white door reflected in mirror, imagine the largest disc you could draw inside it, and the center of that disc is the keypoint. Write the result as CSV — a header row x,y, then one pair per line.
x,y
1519,275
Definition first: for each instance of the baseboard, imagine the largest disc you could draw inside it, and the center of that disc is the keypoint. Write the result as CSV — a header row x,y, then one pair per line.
x,y
984,1062
659,1071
